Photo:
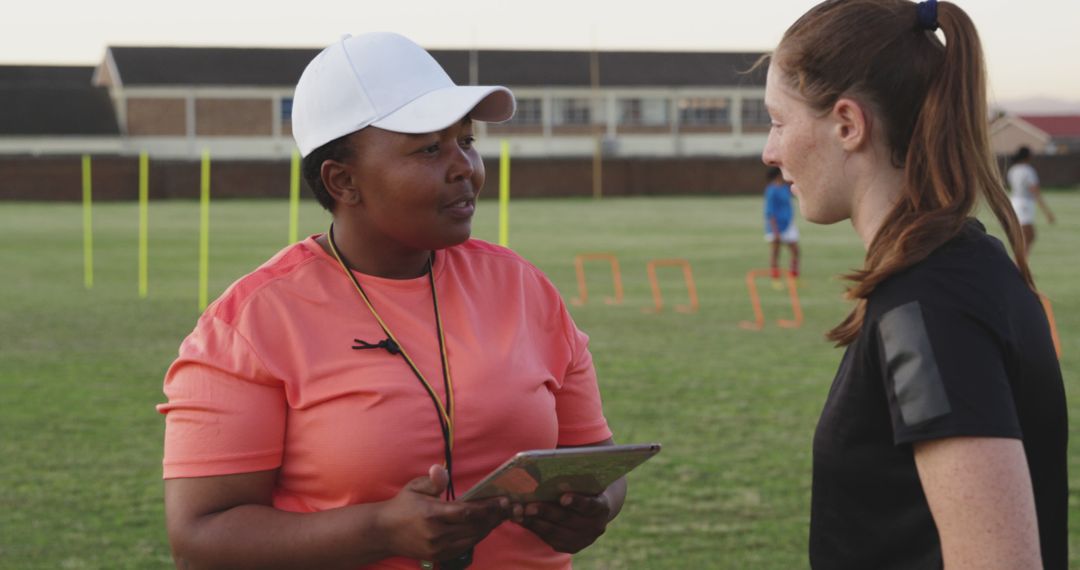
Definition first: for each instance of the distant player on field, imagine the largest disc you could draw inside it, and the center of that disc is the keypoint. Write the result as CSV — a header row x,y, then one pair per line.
x,y
1024,183
779,222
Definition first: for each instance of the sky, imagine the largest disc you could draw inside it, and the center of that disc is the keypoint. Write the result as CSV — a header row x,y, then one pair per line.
x,y
1032,48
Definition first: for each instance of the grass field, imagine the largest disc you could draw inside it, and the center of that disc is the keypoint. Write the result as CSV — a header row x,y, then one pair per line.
x,y
81,370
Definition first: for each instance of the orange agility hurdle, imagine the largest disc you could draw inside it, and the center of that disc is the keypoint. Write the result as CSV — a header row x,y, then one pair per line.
x,y
583,289
1053,325
755,301
688,275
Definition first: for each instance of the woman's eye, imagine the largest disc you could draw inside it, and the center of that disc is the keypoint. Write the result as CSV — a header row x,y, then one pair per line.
x,y
468,141
431,149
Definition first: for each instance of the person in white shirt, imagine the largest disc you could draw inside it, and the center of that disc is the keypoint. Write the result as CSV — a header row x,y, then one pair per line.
x,y
1024,185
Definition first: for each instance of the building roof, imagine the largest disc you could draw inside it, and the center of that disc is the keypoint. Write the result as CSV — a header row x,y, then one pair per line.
x,y
680,69
617,69
167,66
1004,122
174,66
44,76
44,100
1057,126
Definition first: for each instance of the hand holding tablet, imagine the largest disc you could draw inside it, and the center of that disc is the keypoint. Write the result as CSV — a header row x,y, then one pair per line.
x,y
544,475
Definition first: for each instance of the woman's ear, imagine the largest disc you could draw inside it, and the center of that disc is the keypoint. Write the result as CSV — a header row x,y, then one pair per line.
x,y
852,124
340,183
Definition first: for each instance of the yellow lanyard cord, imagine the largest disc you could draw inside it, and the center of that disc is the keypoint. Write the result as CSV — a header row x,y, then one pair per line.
x,y
449,413
445,412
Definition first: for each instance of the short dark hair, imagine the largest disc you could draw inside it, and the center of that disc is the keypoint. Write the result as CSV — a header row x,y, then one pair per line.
x,y
338,150
772,173
1022,153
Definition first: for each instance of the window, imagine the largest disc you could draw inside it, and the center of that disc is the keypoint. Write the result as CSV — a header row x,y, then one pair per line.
x,y
630,112
529,112
573,111
286,109
704,111
754,113
643,112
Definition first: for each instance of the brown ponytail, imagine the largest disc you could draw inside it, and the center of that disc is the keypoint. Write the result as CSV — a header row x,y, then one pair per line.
x,y
931,99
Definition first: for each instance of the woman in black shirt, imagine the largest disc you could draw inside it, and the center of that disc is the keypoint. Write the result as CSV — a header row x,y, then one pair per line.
x,y
943,438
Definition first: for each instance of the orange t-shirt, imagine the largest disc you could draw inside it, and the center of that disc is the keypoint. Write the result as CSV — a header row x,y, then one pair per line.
x,y
269,380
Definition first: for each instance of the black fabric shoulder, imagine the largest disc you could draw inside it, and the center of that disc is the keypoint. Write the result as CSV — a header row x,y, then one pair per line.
x,y
945,340
972,271
957,345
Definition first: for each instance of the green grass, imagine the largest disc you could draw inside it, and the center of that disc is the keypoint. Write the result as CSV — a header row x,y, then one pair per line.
x,y
81,370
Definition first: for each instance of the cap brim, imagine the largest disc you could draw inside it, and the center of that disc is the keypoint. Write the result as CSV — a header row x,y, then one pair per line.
x,y
438,109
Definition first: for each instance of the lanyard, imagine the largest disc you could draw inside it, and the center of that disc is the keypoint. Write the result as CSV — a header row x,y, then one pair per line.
x,y
391,344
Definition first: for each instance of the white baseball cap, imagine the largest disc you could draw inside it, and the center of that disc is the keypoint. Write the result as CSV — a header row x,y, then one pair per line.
x,y
384,80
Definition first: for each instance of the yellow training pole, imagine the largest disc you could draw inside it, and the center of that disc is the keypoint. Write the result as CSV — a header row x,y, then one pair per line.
x,y
504,194
204,232
598,158
597,169
88,232
294,197
144,220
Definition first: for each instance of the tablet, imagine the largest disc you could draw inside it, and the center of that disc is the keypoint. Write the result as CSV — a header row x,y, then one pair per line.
x,y
545,474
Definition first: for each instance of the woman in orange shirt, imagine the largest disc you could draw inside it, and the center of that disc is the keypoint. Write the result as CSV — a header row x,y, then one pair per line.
x,y
326,409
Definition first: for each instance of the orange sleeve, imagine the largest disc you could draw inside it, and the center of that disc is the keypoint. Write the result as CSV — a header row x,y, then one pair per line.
x,y
577,401
225,414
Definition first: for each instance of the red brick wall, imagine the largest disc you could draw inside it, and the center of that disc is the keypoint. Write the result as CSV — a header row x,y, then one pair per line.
x,y
156,117
116,178
234,117
1057,171
631,177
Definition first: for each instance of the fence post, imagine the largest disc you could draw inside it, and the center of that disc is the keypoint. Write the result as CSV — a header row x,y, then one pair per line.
x,y
204,232
88,221
144,224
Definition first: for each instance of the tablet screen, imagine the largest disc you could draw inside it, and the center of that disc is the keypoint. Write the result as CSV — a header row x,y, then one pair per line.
x,y
545,474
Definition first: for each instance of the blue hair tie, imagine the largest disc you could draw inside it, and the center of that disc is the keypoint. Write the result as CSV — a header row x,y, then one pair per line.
x,y
927,15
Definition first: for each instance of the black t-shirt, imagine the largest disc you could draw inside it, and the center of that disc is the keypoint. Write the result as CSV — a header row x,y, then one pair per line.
x,y
956,345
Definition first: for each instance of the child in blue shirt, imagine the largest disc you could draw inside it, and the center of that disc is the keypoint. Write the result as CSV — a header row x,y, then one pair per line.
x,y
779,222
